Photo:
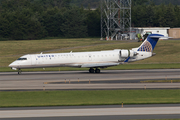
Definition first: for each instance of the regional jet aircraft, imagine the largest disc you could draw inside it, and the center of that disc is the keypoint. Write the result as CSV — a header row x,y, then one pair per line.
x,y
93,60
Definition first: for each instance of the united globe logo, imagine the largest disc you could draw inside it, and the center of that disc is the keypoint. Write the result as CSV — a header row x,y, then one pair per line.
x,y
146,46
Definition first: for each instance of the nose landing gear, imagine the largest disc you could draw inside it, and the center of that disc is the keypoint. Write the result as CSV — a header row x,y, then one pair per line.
x,y
91,70
19,71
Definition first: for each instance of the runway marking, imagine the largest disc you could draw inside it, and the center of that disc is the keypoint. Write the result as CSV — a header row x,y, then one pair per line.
x,y
89,112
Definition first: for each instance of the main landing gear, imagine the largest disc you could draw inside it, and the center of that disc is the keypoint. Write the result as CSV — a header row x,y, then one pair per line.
x,y
19,71
91,70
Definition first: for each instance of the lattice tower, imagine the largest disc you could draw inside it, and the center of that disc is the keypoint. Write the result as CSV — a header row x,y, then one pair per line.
x,y
115,19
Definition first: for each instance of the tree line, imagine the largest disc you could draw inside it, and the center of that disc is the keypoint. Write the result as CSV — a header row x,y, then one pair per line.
x,y
152,15
36,19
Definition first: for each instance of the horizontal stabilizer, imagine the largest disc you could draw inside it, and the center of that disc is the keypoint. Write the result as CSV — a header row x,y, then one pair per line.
x,y
159,37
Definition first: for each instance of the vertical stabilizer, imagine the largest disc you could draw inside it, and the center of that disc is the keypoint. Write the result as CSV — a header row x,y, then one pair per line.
x,y
149,44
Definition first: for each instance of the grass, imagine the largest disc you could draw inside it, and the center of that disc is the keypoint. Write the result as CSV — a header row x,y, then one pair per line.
x,y
167,51
96,97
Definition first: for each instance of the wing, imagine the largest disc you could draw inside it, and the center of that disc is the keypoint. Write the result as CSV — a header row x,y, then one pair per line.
x,y
101,65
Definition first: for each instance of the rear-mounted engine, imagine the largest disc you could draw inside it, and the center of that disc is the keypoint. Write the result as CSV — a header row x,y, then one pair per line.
x,y
127,53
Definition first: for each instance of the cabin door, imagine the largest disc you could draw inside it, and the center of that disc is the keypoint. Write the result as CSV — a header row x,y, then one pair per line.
x,y
34,59
90,57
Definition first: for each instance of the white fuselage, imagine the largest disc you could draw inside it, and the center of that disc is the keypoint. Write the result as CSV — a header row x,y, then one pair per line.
x,y
96,59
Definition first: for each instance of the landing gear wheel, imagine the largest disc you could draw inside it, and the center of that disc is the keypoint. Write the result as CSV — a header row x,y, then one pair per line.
x,y
91,70
97,71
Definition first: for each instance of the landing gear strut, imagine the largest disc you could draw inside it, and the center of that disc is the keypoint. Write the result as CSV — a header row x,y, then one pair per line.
x,y
19,71
91,70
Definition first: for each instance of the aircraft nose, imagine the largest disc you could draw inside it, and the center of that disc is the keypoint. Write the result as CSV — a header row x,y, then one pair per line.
x,y
10,65
13,64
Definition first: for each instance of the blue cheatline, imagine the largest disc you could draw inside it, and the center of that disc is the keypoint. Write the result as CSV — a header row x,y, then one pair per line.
x,y
149,44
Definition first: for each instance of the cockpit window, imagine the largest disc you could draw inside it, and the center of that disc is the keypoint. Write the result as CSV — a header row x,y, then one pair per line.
x,y
22,59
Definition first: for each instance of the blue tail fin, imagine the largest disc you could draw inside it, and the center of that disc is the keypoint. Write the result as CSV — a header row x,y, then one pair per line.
x,y
149,44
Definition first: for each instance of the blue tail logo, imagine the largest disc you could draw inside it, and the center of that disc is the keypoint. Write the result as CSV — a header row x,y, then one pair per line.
x,y
149,44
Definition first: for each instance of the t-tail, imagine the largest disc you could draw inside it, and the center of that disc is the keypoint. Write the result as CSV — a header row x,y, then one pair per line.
x,y
145,50
149,44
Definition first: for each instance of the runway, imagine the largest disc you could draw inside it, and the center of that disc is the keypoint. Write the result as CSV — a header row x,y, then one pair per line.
x,y
82,80
108,112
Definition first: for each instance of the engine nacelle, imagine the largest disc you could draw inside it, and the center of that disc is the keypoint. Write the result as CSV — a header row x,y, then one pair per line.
x,y
127,53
